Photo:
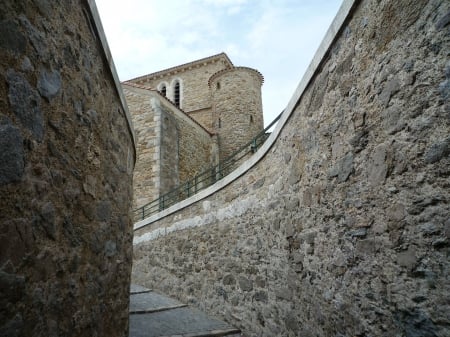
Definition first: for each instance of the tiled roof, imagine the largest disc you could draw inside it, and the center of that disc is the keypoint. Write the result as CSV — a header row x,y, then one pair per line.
x,y
182,67
131,84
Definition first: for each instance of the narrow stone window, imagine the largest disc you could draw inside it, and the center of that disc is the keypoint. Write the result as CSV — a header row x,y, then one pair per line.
x,y
176,94
218,85
163,90
251,119
219,123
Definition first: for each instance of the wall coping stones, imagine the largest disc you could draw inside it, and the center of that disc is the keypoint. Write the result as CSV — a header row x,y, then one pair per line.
x,y
98,27
341,18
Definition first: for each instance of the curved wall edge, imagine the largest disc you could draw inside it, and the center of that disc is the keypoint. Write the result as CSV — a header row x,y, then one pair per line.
x,y
333,30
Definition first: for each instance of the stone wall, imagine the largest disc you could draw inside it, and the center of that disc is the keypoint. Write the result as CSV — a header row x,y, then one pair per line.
x,y
196,151
172,147
342,228
237,106
194,83
168,156
147,127
204,117
66,162
169,150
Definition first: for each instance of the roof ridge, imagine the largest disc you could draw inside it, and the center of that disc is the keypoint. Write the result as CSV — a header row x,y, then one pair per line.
x,y
132,84
181,66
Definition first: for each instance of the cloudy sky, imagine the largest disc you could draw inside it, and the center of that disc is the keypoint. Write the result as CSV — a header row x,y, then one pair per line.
x,y
276,37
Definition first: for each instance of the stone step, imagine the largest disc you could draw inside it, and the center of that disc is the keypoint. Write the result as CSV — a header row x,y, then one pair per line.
x,y
156,315
152,302
186,322
137,289
152,310
216,333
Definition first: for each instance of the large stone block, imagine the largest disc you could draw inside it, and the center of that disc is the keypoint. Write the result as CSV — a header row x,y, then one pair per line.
x,y
11,154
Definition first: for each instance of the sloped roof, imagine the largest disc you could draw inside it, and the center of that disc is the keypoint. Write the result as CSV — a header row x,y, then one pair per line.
x,y
140,86
183,67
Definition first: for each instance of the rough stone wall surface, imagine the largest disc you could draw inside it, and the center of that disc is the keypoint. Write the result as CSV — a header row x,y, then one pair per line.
x,y
195,91
170,152
165,162
66,161
171,147
147,127
237,106
196,146
205,118
343,228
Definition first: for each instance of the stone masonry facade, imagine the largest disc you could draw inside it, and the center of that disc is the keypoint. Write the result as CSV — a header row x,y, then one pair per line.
x,y
343,228
188,118
66,163
172,147
193,78
147,130
236,121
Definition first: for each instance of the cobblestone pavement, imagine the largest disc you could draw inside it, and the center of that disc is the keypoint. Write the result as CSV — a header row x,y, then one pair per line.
x,y
156,315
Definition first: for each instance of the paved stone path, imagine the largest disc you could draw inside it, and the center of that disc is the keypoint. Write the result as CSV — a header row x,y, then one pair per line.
x,y
156,315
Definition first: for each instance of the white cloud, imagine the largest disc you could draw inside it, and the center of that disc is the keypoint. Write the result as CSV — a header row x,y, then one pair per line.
x,y
278,38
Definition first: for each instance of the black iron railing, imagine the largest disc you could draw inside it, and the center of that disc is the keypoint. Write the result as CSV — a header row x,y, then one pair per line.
x,y
205,178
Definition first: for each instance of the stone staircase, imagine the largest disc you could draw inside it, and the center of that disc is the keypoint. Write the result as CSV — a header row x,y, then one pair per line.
x,y
156,315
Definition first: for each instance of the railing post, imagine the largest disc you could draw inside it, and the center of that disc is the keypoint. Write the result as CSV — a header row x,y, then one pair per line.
x,y
253,146
143,212
161,202
195,184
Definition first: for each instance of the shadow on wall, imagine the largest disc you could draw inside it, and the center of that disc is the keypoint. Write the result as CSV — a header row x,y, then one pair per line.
x,y
66,163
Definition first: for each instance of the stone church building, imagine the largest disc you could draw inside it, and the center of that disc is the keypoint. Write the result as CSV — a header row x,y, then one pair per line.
x,y
189,117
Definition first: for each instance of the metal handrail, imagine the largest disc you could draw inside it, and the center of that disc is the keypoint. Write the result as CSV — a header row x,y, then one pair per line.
x,y
204,179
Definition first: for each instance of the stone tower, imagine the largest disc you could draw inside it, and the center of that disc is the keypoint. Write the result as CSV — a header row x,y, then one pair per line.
x,y
237,107
189,117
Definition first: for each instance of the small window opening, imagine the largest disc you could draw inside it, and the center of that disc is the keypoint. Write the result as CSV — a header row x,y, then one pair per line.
x,y
176,95
220,123
251,118
163,90
218,85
